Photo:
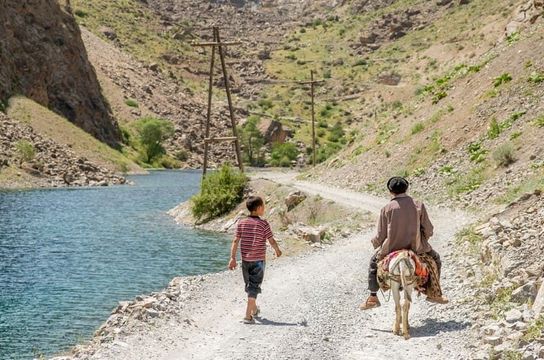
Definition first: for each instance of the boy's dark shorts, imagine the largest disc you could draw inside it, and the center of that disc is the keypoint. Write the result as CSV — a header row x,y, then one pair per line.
x,y
253,277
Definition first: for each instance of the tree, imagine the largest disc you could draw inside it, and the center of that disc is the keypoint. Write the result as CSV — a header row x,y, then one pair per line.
x,y
252,141
283,154
152,132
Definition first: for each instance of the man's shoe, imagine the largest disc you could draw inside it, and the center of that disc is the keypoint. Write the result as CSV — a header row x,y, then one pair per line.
x,y
370,303
438,300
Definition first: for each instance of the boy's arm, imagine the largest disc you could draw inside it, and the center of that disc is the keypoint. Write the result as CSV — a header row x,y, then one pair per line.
x,y
270,236
233,250
275,246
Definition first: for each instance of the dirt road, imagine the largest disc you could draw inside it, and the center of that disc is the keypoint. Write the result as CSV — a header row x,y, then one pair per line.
x,y
310,307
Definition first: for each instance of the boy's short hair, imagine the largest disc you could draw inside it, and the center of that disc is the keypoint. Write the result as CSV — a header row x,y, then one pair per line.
x,y
253,203
398,185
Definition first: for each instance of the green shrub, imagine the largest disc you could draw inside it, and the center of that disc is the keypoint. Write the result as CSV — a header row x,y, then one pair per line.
x,y
283,154
360,62
80,13
494,129
513,38
439,96
265,104
131,102
536,77
476,152
3,106
25,150
502,79
504,155
182,155
326,151
337,133
167,162
221,192
417,128
152,133
253,142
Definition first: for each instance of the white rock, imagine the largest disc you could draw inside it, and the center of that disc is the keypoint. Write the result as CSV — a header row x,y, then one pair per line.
x,y
493,340
513,316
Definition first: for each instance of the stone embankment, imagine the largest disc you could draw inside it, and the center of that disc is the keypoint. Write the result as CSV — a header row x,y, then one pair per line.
x,y
46,162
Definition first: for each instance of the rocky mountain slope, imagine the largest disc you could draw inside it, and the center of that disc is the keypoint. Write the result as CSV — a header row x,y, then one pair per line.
x,y
27,159
43,58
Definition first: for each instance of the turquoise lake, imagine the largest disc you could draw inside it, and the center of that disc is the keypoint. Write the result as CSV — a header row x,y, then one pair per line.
x,y
67,256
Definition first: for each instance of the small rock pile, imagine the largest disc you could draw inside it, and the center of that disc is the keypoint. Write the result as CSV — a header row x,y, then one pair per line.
x,y
510,272
51,165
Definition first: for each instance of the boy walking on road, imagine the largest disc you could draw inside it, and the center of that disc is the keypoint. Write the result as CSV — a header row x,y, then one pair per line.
x,y
252,233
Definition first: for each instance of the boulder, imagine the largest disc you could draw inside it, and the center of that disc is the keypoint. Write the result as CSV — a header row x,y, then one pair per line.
x,y
294,198
513,316
273,131
524,293
389,78
108,32
310,234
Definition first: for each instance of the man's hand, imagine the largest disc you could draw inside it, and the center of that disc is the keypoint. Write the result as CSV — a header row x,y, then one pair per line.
x,y
278,252
232,264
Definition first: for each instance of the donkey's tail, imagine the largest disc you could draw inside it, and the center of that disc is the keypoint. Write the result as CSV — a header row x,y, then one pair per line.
x,y
403,267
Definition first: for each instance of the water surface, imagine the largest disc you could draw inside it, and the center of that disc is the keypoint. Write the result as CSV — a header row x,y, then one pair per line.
x,y
68,256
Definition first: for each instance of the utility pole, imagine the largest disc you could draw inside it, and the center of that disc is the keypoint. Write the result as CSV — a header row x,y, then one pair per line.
x,y
216,43
312,90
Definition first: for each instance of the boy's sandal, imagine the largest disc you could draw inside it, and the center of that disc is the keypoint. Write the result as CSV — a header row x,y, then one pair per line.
x,y
249,321
370,303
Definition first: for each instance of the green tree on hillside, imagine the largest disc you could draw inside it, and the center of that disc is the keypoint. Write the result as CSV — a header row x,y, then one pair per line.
x,y
252,141
152,133
283,154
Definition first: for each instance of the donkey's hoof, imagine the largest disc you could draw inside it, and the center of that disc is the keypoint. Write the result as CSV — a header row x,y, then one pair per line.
x,y
397,331
406,336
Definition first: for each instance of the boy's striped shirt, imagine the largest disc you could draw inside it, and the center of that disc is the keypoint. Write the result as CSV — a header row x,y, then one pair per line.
x,y
253,233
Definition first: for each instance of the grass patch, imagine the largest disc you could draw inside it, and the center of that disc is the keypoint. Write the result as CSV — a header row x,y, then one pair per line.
x,y
495,128
539,121
504,78
221,192
536,77
528,186
535,330
469,235
131,103
466,183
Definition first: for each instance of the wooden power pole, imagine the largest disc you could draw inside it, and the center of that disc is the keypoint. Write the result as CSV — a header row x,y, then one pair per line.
x,y
217,44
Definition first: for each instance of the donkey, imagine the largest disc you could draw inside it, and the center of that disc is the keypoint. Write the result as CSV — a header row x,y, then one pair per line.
x,y
402,279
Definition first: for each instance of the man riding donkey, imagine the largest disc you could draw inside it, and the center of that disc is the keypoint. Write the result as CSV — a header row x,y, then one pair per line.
x,y
398,227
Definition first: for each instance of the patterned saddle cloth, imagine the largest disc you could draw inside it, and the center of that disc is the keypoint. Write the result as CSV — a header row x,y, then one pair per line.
x,y
427,276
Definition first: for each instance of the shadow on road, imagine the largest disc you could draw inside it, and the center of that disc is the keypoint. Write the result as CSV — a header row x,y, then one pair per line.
x,y
431,327
265,321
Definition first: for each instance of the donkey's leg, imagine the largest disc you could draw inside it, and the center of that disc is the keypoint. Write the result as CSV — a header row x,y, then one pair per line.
x,y
398,312
405,313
